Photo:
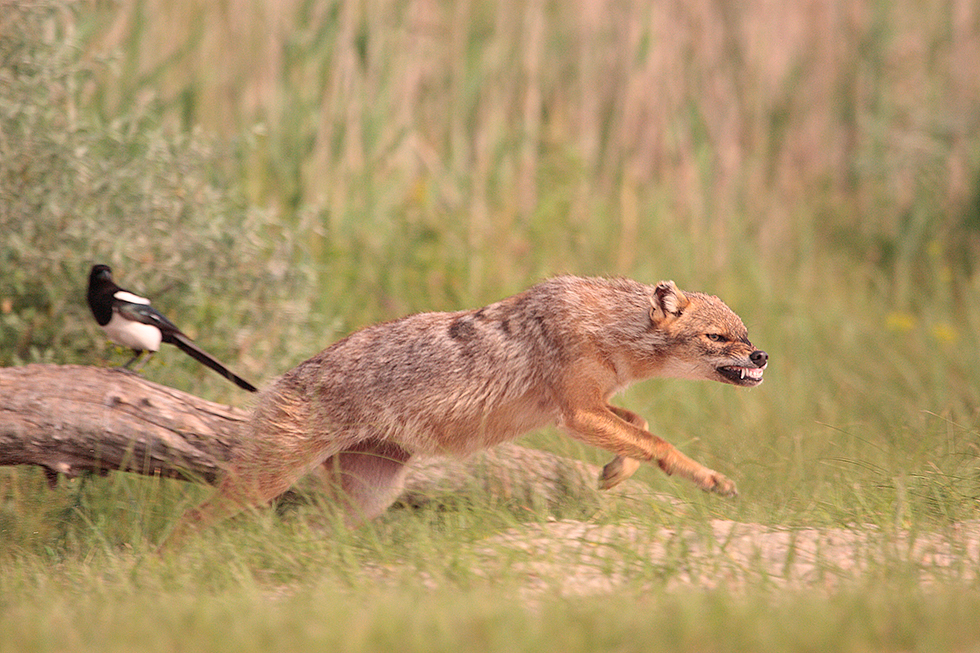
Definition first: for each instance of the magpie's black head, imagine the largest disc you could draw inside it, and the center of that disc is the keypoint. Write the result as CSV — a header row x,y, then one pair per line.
x,y
100,290
100,272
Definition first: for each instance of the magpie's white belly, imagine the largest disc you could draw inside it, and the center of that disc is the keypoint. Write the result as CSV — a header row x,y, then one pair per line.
x,y
134,335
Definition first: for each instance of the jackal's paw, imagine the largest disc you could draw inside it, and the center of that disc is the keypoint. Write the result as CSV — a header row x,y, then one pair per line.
x,y
720,484
617,471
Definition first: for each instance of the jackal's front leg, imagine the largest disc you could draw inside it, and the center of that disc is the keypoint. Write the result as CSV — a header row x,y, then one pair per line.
x,y
620,468
621,431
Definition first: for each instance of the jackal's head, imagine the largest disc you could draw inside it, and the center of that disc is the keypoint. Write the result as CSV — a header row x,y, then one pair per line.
x,y
704,339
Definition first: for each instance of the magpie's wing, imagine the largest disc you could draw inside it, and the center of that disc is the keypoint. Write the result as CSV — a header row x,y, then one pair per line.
x,y
146,314
140,312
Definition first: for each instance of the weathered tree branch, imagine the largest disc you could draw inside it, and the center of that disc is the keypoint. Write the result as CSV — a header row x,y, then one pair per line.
x,y
75,419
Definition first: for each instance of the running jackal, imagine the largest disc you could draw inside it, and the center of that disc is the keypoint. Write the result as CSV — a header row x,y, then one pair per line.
x,y
453,383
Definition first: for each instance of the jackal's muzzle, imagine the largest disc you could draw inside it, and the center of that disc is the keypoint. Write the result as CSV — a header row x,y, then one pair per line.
x,y
747,375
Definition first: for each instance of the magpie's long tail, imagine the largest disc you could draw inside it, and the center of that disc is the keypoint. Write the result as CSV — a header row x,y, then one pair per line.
x,y
198,354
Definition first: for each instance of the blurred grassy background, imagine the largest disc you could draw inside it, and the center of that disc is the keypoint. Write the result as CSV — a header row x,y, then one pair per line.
x,y
278,173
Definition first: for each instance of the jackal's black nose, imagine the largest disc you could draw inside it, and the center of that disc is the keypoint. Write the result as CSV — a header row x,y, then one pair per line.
x,y
759,357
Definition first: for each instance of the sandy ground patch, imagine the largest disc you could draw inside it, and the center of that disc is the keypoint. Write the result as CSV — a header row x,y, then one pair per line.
x,y
578,558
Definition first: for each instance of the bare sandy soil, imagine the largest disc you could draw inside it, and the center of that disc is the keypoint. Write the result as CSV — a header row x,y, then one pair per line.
x,y
582,558
578,558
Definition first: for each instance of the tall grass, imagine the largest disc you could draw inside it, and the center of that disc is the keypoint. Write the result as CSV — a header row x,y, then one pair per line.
x,y
277,174
739,119
474,147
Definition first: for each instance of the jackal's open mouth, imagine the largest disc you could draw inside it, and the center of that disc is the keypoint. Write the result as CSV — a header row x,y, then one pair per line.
x,y
742,375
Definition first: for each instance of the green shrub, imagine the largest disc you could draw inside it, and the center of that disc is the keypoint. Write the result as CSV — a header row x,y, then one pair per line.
x,y
152,203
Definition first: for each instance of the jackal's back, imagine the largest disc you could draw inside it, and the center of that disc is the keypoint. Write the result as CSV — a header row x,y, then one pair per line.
x,y
442,382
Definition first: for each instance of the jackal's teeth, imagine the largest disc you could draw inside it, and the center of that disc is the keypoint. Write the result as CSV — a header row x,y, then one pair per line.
x,y
740,373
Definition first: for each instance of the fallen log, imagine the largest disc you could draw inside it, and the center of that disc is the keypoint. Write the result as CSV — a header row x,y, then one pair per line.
x,y
71,420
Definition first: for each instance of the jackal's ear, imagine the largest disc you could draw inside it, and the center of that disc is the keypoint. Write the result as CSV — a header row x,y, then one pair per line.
x,y
667,300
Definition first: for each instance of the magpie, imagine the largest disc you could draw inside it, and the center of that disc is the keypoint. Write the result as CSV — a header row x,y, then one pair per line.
x,y
130,321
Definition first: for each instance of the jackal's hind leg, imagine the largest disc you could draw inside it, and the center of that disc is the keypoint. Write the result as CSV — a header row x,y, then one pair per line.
x,y
261,471
240,489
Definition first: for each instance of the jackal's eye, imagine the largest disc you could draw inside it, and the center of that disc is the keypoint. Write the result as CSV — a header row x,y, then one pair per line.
x,y
715,337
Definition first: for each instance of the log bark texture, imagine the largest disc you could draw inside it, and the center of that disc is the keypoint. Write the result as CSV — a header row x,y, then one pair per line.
x,y
73,419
